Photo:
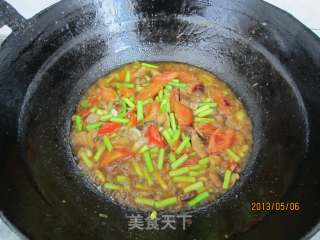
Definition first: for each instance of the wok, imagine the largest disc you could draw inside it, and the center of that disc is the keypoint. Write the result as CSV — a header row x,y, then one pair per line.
x,y
270,59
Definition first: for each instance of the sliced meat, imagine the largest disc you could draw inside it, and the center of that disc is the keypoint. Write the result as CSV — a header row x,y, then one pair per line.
x,y
197,144
214,177
92,118
83,139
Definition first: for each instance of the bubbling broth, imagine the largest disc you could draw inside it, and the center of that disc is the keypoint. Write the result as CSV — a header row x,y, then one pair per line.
x,y
166,136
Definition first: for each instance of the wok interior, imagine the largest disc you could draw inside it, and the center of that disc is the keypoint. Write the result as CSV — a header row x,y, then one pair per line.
x,y
273,103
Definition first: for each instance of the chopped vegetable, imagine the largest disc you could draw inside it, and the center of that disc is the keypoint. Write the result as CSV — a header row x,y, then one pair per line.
x,y
143,149
178,85
244,150
172,157
203,120
147,177
196,167
233,155
93,126
84,103
173,121
137,169
183,144
158,82
124,85
205,113
108,127
184,179
207,104
132,118
99,175
119,120
107,143
140,115
226,179
154,136
125,152
167,136
99,152
122,179
161,182
154,150
84,112
127,77
111,186
193,187
204,161
165,105
145,201
84,157
106,117
94,100
191,161
147,101
160,159
148,160
148,65
202,109
195,173
93,109
220,141
240,115
179,161
109,157
178,172
78,122
129,102
143,187
166,202
198,199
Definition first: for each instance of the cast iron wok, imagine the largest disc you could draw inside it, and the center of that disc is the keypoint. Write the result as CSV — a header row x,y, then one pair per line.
x,y
269,59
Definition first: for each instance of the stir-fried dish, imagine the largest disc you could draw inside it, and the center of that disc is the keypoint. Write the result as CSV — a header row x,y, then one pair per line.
x,y
164,136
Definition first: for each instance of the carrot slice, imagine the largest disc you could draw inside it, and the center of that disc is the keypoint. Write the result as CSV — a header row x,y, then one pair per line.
x,y
125,152
154,136
108,127
118,154
220,141
133,118
158,82
109,157
84,112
